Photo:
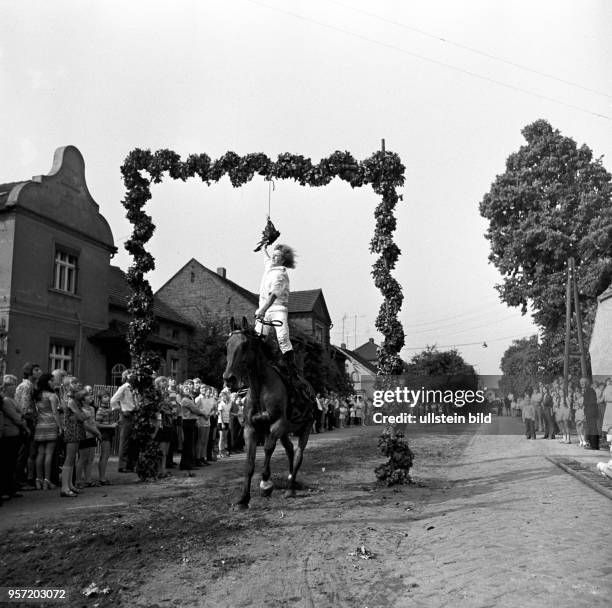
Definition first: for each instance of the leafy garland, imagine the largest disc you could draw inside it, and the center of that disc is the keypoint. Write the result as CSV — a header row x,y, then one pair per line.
x,y
383,171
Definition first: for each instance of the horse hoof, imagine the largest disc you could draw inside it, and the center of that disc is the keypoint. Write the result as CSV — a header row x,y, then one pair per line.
x,y
290,494
240,506
265,488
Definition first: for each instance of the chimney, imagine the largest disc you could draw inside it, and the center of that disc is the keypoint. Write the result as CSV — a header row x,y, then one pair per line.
x,y
371,340
221,272
343,345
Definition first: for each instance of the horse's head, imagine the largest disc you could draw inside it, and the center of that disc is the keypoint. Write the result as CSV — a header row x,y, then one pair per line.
x,y
241,353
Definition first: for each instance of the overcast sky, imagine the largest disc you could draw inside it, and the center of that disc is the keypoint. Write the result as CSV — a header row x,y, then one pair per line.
x,y
448,84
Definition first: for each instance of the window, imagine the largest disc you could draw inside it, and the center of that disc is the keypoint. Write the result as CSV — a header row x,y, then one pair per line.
x,y
174,365
64,278
319,334
61,356
116,373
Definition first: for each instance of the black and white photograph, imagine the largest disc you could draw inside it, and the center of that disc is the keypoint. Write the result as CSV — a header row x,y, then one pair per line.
x,y
306,304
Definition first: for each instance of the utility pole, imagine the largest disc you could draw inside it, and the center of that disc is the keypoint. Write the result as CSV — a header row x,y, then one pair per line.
x,y
568,321
583,362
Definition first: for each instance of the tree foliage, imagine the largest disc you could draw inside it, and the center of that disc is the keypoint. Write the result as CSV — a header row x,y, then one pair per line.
x,y
432,362
554,201
521,366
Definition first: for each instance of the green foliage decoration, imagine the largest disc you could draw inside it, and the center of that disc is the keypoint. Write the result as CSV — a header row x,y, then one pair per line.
x,y
383,170
396,470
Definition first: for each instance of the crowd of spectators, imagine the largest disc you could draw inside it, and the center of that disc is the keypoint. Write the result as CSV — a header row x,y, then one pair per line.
x,y
584,411
52,428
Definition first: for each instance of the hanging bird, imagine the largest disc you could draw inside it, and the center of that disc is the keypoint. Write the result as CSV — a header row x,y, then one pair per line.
x,y
268,236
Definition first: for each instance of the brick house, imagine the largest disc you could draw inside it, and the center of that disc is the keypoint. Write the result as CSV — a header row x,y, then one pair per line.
x,y
61,303
206,297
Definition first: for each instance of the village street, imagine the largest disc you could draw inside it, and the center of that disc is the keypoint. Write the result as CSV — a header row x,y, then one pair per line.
x,y
490,522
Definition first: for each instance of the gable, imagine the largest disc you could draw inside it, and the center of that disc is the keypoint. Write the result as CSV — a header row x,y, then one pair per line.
x,y
62,198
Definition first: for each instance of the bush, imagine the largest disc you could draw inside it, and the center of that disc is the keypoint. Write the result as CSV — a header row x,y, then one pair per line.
x,y
397,469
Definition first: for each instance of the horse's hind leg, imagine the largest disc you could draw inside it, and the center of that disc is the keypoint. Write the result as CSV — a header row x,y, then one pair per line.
x,y
297,460
250,441
266,486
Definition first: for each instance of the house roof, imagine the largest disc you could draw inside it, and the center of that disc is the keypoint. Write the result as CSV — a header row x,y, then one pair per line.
x,y
249,295
5,190
353,355
304,301
119,293
368,351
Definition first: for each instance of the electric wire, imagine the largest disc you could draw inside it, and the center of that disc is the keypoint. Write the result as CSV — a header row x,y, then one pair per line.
x,y
470,49
430,60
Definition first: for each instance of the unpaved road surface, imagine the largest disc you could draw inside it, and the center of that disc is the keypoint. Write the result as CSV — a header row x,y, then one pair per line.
x,y
489,522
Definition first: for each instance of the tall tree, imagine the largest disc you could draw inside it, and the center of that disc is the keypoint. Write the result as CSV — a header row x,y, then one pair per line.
x,y
554,201
521,366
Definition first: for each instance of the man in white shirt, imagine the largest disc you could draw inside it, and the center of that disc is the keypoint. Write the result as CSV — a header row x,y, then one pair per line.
x,y
124,400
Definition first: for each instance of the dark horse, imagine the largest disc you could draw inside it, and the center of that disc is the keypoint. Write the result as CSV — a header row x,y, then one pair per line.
x,y
266,409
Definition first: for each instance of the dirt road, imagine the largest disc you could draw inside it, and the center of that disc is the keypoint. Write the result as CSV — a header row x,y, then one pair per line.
x,y
483,526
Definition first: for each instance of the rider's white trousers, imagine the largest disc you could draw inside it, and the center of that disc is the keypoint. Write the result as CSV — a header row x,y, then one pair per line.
x,y
282,331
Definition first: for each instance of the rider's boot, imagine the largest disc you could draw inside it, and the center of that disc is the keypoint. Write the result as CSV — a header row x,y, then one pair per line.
x,y
259,415
293,375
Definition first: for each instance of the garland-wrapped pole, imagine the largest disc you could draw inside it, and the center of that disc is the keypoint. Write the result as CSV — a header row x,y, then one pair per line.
x,y
383,170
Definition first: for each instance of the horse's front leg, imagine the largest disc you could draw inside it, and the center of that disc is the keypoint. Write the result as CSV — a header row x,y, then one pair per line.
x,y
288,445
266,486
250,443
297,460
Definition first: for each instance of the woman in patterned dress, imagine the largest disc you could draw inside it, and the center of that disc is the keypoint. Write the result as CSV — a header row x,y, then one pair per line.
x,y
48,428
74,432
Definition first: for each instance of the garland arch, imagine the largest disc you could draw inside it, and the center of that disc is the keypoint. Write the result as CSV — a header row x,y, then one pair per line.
x,y
383,170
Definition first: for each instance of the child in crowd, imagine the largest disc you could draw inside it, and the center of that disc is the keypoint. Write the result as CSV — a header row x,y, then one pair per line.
x,y
87,446
107,427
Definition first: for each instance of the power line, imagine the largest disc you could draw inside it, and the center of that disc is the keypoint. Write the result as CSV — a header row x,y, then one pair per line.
x,y
465,344
472,49
462,331
430,60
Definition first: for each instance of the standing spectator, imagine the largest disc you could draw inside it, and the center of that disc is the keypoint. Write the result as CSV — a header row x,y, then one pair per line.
x,y
205,406
223,422
342,412
324,409
351,413
26,463
234,425
529,419
536,399
359,410
591,415
212,438
123,400
87,446
47,430
107,426
177,426
190,414
547,411
318,413
164,433
74,432
579,420
14,429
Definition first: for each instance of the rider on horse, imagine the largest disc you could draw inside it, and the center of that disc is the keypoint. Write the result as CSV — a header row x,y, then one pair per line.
x,y
273,303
